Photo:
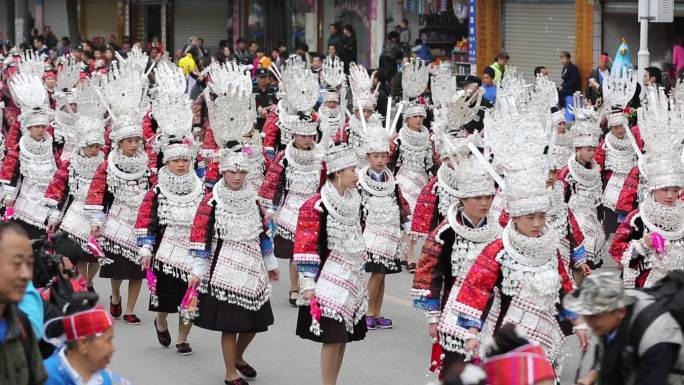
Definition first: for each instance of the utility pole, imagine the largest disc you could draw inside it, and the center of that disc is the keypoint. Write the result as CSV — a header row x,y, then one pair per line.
x,y
656,11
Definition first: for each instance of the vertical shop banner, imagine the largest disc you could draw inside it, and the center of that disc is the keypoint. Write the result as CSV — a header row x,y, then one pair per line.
x,y
472,46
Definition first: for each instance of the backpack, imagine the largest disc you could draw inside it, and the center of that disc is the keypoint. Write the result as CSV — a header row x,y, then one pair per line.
x,y
668,294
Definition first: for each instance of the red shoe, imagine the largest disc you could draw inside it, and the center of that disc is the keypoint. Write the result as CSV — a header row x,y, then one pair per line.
x,y
115,310
132,319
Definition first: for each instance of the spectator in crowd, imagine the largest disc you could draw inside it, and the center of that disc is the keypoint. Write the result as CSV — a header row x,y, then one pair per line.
x,y
125,47
265,96
40,47
404,36
422,51
50,38
597,77
20,362
488,85
225,54
193,41
89,334
187,63
276,59
316,62
332,51
242,53
264,61
654,76
282,50
632,349
348,51
64,47
499,65
201,51
391,54
34,33
381,81
303,52
570,76
335,37
541,70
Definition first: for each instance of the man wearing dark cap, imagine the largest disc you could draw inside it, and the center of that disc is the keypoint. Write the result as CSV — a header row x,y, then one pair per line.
x,y
265,96
616,315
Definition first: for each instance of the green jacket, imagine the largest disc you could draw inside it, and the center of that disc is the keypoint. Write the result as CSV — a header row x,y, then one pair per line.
x,y
20,361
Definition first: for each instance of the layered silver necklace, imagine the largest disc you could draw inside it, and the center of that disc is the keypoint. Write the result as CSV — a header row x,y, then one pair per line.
x,y
36,159
667,221
237,215
620,156
81,172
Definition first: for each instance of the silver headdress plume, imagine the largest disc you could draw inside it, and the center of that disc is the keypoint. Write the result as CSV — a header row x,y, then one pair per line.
x,y
233,112
171,107
362,87
451,116
31,63
517,132
443,84
299,91
136,61
226,77
661,124
125,98
333,72
28,92
678,91
414,80
65,118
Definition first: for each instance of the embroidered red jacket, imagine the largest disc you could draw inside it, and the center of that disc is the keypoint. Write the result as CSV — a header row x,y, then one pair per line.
x,y
627,199
273,187
486,274
58,189
426,214
10,170
632,228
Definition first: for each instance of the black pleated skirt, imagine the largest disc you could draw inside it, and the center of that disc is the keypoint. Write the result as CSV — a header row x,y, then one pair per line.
x,y
32,231
375,267
332,331
170,291
226,317
282,248
610,222
121,268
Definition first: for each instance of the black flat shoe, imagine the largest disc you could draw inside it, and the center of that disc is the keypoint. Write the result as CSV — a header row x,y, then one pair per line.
x,y
164,337
293,301
238,381
184,349
246,370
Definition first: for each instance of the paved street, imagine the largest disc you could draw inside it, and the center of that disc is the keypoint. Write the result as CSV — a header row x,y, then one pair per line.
x,y
387,357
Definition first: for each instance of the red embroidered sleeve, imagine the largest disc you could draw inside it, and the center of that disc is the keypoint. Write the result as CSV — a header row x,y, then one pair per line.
x,y
271,185
271,131
56,190
575,229
567,285
622,238
197,106
504,218
563,177
13,134
209,142
148,127
480,281
627,199
9,173
600,155
200,237
212,174
307,235
343,134
145,212
426,282
637,137
426,209
98,189
404,207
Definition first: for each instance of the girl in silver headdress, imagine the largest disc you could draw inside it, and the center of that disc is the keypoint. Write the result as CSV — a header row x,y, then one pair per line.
x,y
233,263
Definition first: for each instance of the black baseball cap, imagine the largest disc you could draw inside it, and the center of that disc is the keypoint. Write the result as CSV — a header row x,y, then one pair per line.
x,y
261,72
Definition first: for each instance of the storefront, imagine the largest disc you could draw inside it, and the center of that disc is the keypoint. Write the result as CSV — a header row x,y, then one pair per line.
x,y
534,34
